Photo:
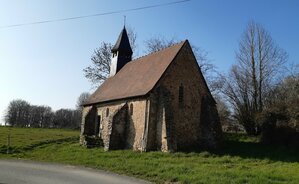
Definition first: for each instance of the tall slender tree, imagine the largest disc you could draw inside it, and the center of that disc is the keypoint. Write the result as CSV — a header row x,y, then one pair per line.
x,y
259,61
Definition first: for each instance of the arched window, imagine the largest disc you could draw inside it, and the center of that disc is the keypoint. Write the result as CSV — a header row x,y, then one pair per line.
x,y
107,112
131,109
181,96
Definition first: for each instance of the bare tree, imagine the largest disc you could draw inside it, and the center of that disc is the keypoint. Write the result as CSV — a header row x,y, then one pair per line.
x,y
259,62
81,100
99,69
17,113
158,43
212,76
223,111
35,116
132,35
40,116
47,117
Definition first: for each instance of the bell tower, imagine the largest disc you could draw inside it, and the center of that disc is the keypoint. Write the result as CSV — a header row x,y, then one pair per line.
x,y
121,53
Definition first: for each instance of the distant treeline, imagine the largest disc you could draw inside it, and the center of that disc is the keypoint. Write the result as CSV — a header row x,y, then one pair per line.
x,y
22,114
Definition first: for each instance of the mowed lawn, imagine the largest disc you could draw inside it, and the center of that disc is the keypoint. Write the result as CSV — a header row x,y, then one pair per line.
x,y
241,160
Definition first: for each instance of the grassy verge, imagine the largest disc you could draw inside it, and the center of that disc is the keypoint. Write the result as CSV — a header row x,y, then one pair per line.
x,y
25,139
241,160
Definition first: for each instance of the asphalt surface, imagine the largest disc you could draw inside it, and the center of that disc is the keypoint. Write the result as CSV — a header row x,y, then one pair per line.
x,y
22,172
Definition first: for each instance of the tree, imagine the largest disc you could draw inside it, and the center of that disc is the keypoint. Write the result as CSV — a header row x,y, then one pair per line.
x,y
66,118
81,100
212,76
132,35
158,43
280,118
79,108
99,69
21,113
34,116
47,117
155,44
285,100
17,113
259,62
223,111
40,116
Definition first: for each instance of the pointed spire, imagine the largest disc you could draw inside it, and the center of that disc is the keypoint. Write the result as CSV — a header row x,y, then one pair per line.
x,y
123,44
121,53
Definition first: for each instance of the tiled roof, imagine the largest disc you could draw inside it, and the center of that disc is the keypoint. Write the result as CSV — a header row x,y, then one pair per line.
x,y
136,78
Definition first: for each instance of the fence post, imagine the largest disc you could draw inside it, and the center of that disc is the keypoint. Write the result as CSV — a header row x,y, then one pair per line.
x,y
8,143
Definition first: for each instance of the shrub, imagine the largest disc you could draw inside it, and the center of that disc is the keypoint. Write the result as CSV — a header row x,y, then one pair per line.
x,y
276,130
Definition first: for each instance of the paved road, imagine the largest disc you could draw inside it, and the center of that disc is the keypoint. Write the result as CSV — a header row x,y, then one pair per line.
x,y
22,172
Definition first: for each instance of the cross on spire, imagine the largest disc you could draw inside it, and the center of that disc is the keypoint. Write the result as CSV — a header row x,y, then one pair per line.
x,y
124,21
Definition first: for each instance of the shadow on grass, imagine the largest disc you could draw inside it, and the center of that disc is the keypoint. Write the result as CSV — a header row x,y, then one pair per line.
x,y
258,151
247,147
234,145
253,149
3,149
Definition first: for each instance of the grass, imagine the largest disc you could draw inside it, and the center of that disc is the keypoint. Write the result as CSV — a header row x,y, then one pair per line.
x,y
241,160
25,138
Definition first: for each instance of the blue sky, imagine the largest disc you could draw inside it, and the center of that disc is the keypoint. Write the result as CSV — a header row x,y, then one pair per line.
x,y
43,64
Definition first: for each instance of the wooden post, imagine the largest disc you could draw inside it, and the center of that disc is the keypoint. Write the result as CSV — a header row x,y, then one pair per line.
x,y
8,143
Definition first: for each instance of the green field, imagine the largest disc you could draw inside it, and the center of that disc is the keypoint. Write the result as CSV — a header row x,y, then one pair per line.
x,y
22,139
241,160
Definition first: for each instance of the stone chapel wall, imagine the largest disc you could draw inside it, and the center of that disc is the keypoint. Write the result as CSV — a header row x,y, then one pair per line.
x,y
184,129
134,125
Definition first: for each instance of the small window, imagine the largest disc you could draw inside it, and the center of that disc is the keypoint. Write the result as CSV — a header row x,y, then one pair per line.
x,y
107,112
181,96
131,109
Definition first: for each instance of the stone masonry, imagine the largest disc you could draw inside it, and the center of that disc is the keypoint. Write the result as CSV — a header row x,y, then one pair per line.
x,y
179,113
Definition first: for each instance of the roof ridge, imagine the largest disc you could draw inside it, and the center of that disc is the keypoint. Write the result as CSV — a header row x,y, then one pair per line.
x,y
160,50
137,78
